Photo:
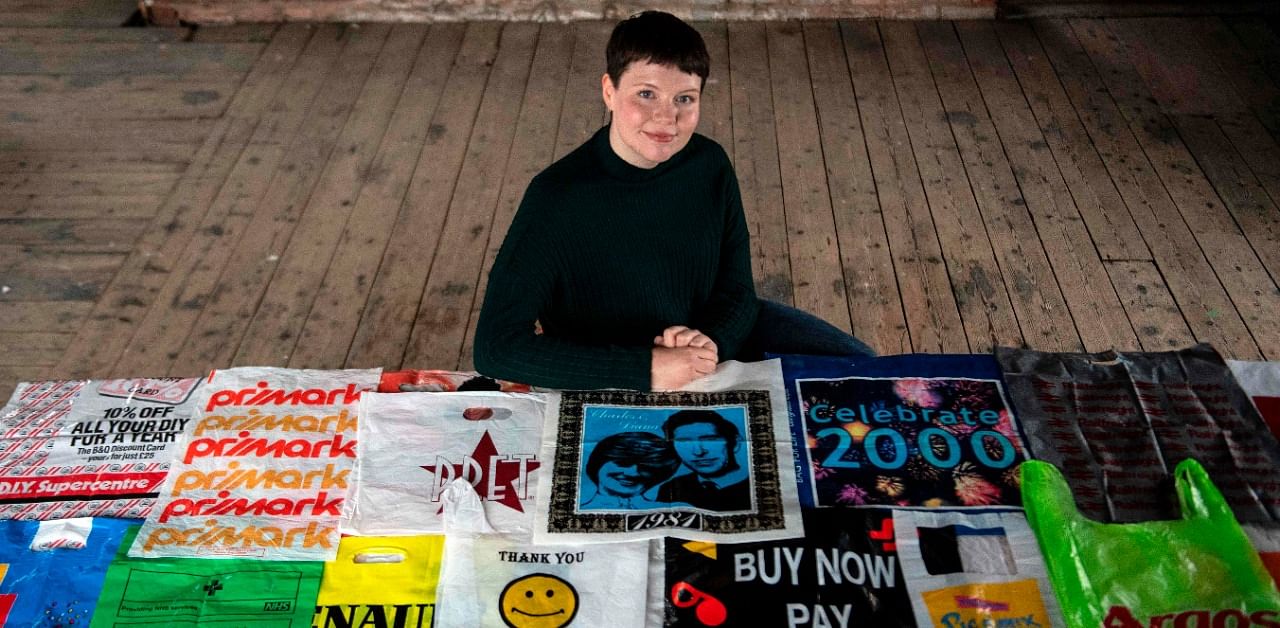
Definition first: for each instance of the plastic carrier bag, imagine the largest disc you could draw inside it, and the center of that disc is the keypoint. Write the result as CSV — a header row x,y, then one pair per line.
x,y
966,570
1196,571
52,571
380,581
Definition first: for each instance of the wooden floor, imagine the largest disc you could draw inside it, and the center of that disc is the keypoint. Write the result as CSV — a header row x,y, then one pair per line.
x,y
175,200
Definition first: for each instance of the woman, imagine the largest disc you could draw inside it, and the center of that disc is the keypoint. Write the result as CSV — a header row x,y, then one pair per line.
x,y
631,254
626,465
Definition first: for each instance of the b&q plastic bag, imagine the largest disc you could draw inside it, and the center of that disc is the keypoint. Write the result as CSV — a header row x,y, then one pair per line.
x,y
966,569
381,581
1196,571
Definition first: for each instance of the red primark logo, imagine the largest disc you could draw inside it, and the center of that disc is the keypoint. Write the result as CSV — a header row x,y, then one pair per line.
x,y
1122,617
264,396
964,601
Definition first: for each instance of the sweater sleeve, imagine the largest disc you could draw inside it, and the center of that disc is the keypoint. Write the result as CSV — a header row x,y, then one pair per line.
x,y
521,285
730,313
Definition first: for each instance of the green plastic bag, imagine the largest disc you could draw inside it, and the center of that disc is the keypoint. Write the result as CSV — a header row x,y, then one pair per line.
x,y
177,592
1196,572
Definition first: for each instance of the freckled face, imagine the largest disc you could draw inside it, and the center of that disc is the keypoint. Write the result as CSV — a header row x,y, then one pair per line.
x,y
655,110
538,601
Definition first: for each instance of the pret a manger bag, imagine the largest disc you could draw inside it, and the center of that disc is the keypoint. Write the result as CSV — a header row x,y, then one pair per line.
x,y
1199,570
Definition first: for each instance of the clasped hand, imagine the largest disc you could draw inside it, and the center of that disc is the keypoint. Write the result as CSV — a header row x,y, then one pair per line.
x,y
681,355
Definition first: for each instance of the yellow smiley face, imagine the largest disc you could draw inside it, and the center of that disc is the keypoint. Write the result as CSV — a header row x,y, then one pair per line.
x,y
538,601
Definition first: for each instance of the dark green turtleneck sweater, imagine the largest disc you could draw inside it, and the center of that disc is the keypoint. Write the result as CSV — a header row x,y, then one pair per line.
x,y
605,256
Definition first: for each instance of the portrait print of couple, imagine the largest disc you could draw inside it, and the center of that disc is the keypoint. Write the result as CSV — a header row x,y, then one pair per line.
x,y
662,458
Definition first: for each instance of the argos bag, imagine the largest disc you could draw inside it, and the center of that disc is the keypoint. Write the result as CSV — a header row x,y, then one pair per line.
x,y
1199,570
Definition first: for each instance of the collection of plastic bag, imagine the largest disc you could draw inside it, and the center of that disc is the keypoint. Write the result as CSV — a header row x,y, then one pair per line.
x,y
911,474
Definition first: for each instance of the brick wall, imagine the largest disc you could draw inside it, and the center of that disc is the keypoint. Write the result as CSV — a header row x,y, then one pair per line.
x,y
230,11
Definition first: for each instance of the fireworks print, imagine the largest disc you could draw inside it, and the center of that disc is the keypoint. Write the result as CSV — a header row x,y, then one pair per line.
x,y
911,441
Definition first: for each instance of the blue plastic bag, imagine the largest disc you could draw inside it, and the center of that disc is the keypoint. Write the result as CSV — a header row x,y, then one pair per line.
x,y
59,585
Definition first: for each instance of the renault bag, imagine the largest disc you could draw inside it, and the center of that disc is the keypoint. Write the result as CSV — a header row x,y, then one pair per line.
x,y
387,581
1199,570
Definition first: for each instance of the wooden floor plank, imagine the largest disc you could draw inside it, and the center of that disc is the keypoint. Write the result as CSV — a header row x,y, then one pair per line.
x,y
716,102
985,307
1261,40
816,274
54,184
1191,279
584,108
193,274
215,336
231,33
166,140
167,205
875,305
79,207
104,235
46,316
1033,288
85,34
66,13
1108,219
531,150
104,336
1250,288
1259,147
439,329
278,320
1095,307
929,304
50,98
331,323
1151,308
755,159
181,59
388,316
1235,183
32,348
96,162
36,274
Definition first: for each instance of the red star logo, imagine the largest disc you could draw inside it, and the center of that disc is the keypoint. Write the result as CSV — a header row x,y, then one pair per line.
x,y
506,472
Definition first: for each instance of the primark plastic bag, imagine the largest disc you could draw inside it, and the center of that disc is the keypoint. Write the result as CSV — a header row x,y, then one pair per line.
x,y
1199,570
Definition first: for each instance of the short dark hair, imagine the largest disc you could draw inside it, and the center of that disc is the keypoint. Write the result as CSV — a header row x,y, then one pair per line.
x,y
659,38
644,450
724,427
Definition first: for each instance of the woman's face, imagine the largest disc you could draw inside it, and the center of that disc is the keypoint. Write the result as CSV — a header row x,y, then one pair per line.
x,y
622,481
655,110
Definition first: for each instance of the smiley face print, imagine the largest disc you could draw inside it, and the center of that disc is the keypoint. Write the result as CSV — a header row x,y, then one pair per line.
x,y
538,601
